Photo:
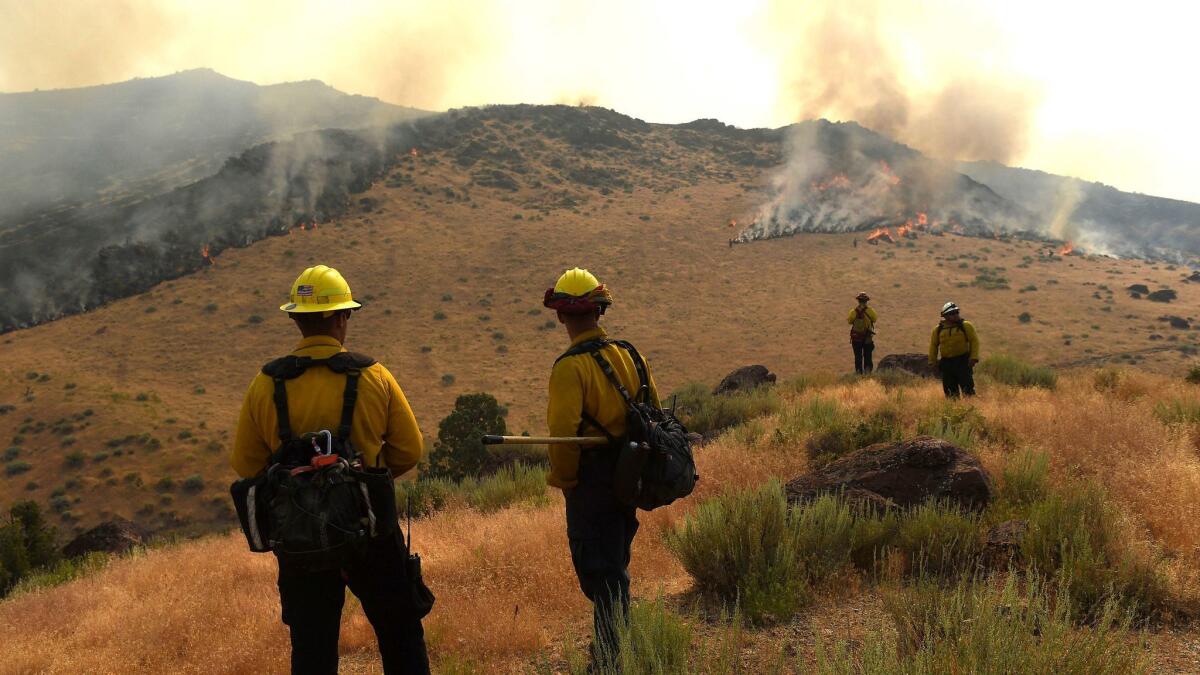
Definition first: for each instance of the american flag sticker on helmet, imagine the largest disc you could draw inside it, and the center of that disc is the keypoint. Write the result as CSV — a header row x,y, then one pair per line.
x,y
304,290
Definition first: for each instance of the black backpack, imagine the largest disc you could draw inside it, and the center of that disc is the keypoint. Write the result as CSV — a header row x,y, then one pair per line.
x,y
655,465
316,506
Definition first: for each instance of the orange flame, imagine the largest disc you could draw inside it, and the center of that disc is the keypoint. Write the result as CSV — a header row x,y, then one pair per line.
x,y
839,181
906,230
414,152
890,175
204,254
1066,249
881,233
733,222
922,219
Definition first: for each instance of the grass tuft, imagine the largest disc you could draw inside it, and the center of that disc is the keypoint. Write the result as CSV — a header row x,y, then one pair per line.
x,y
1013,371
977,627
709,414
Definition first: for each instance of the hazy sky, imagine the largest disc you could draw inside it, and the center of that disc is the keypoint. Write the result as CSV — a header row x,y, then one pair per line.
x,y
1105,91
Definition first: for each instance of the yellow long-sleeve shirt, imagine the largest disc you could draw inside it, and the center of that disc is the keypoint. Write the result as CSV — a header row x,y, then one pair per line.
x,y
864,324
384,430
578,384
950,340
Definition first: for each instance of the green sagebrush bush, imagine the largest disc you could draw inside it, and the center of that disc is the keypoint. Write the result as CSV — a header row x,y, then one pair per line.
x,y
976,626
742,548
939,539
512,484
1014,371
653,641
1074,538
956,423
709,414
750,549
1025,477
831,431
1178,411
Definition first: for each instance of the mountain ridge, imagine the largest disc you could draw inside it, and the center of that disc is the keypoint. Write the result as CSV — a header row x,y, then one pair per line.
x,y
72,148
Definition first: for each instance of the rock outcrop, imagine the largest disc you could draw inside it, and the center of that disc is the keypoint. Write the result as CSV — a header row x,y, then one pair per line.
x,y
113,536
905,474
1002,544
744,379
917,364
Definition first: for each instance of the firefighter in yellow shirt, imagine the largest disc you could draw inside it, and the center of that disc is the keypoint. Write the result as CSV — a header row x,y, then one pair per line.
x,y
584,402
954,350
862,320
383,431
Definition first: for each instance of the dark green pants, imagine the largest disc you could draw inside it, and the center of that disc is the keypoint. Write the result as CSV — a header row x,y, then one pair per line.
x,y
958,377
863,362
312,609
601,532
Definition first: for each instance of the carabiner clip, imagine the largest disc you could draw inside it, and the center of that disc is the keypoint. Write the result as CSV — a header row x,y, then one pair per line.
x,y
328,442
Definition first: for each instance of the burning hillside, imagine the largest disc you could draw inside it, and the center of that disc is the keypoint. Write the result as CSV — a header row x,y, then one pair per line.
x,y
544,157
843,178
830,178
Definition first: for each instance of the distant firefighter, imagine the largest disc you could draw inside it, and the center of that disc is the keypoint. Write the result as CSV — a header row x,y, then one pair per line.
x,y
862,320
954,350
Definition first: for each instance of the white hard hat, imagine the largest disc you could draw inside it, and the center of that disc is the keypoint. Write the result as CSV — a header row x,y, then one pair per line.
x,y
949,308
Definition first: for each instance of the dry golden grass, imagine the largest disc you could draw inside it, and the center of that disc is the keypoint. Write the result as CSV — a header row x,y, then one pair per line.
x,y
506,591
1151,469
507,594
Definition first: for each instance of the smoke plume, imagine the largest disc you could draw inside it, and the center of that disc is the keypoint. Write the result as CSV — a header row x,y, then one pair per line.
x,y
887,67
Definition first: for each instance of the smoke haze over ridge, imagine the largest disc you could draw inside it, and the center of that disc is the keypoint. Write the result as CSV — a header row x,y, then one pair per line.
x,y
1008,81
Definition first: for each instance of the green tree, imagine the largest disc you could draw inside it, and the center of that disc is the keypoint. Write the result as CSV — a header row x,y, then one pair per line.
x,y
458,451
38,535
14,561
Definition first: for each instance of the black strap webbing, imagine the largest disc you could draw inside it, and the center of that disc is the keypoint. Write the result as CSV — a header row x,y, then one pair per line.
x,y
640,365
594,347
289,367
349,396
586,419
281,409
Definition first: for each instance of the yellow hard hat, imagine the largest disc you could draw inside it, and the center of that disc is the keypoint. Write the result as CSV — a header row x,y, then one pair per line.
x,y
320,289
578,291
577,282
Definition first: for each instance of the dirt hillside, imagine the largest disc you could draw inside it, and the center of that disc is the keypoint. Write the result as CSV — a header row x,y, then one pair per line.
x,y
112,410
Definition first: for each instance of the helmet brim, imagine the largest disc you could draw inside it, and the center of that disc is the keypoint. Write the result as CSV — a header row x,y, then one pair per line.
x,y
297,308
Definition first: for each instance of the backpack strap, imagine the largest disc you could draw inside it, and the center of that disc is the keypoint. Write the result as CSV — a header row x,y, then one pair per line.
x,y
586,419
593,347
344,362
583,348
607,368
281,409
349,397
291,366
640,365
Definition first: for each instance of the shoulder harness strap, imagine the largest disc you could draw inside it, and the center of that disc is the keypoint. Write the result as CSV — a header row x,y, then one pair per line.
x,y
640,365
583,348
593,347
290,367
